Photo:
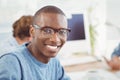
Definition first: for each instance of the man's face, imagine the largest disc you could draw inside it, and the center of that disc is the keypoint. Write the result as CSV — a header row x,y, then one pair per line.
x,y
49,46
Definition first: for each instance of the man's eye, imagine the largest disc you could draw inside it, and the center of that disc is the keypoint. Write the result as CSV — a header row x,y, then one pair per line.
x,y
48,30
62,32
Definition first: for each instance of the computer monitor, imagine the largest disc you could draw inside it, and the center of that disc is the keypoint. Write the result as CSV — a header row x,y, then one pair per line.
x,y
78,40
76,24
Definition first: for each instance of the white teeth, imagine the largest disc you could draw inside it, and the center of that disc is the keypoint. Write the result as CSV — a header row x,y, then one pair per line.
x,y
52,47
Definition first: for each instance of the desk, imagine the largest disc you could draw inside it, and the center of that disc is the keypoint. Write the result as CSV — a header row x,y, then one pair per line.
x,y
83,66
78,71
85,62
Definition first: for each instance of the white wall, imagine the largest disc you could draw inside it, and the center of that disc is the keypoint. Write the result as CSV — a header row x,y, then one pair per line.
x,y
112,26
113,12
113,17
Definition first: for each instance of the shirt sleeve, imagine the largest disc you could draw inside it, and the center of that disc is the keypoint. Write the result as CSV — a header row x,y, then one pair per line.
x,y
116,51
9,68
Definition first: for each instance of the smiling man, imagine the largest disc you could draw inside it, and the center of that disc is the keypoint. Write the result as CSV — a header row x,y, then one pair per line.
x,y
36,60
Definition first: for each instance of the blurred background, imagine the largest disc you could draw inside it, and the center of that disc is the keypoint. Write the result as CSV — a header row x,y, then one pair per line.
x,y
102,22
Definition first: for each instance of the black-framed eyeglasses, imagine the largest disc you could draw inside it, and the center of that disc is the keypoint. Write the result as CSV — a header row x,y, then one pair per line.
x,y
49,31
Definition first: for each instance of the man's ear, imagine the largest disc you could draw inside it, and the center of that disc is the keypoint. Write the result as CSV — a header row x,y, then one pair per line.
x,y
32,31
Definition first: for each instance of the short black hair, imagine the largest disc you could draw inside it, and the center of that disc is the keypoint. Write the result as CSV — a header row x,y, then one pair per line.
x,y
48,9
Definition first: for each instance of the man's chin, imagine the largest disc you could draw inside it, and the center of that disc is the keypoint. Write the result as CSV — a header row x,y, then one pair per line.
x,y
52,56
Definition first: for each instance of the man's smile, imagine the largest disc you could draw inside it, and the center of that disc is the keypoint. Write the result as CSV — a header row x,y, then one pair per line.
x,y
52,47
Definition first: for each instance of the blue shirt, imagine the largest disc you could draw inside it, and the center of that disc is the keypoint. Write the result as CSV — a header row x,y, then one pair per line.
x,y
21,65
8,45
116,51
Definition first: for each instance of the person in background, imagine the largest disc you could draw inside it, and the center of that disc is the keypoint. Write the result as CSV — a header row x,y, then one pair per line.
x,y
114,63
21,34
36,60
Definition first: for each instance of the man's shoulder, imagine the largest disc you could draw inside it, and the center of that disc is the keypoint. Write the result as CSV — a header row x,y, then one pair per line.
x,y
8,59
15,57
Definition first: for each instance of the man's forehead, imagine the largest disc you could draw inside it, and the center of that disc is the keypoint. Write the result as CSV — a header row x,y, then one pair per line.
x,y
52,19
50,16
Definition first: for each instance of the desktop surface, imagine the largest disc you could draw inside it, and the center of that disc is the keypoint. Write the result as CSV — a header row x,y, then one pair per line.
x,y
91,69
94,74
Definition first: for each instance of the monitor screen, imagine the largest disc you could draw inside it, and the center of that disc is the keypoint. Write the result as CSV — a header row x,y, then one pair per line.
x,y
78,40
76,24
